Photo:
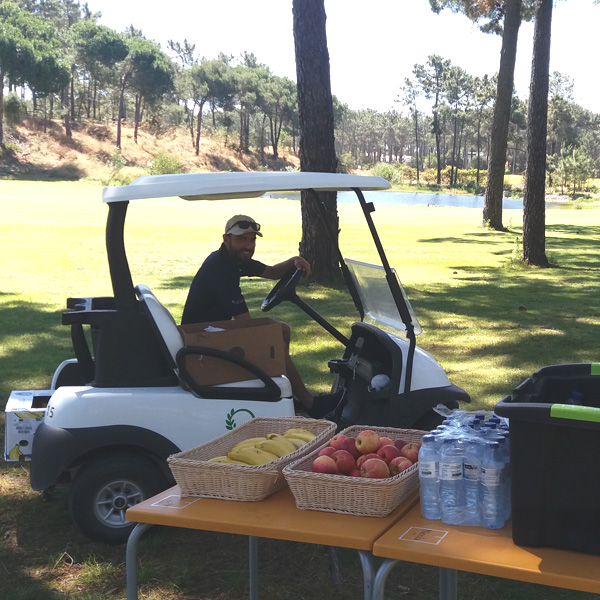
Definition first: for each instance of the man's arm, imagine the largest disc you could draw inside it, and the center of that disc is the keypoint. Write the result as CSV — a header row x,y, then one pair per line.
x,y
279,270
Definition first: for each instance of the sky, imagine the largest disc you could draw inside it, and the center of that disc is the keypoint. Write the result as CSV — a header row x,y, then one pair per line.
x,y
373,44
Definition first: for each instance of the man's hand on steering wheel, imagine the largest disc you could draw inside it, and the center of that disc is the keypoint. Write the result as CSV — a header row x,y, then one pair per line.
x,y
302,264
285,289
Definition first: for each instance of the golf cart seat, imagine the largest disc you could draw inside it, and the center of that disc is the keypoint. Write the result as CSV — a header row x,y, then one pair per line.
x,y
261,387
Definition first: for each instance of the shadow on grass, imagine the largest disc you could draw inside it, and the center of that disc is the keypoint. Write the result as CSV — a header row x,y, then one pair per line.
x,y
34,172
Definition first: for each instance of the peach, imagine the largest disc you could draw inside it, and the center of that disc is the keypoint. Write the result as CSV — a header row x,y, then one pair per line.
x,y
410,451
374,468
336,441
361,459
367,441
349,444
399,443
399,464
344,461
327,451
324,464
388,452
385,441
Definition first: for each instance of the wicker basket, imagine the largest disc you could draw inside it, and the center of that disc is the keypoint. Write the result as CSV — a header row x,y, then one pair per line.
x,y
198,477
353,495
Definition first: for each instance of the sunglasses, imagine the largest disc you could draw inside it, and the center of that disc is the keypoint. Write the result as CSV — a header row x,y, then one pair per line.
x,y
245,225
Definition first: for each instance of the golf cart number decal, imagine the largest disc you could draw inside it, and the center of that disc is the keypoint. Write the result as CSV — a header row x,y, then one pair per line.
x,y
230,421
50,411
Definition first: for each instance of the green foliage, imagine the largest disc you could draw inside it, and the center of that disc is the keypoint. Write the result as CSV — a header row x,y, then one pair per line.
x,y
15,109
165,163
385,170
115,164
346,162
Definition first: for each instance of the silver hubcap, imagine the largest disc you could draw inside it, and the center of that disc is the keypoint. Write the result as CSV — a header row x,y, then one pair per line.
x,y
113,500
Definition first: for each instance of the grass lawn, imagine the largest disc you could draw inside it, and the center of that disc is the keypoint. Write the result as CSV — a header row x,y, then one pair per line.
x,y
487,319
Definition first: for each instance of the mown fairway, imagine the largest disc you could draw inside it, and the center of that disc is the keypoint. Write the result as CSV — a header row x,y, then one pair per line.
x,y
488,320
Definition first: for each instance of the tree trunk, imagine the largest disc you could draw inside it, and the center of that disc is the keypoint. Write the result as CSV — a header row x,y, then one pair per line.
x,y
534,199
492,207
1,108
138,102
198,128
438,153
317,144
72,92
478,148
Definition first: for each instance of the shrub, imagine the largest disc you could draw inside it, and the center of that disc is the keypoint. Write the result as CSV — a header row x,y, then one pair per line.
x,y
15,109
385,170
165,163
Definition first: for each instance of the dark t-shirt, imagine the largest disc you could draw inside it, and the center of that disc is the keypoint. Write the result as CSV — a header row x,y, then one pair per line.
x,y
215,293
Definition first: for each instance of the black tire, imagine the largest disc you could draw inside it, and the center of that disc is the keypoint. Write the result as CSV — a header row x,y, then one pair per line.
x,y
430,420
105,488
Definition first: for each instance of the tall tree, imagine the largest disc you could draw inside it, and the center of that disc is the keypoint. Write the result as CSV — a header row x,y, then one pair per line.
x,y
411,93
96,46
534,198
484,94
494,189
29,54
431,79
499,16
278,101
317,145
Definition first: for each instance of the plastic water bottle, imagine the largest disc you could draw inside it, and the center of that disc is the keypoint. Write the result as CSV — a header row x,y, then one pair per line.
x,y
493,487
429,478
471,469
452,495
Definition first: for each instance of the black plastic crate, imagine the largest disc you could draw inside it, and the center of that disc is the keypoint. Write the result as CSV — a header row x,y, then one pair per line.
x,y
555,454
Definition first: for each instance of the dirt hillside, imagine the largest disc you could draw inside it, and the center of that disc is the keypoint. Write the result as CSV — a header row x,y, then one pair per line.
x,y
44,151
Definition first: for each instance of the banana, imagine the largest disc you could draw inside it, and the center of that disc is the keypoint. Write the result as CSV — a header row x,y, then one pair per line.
x,y
279,446
249,442
273,436
296,441
302,434
226,459
251,455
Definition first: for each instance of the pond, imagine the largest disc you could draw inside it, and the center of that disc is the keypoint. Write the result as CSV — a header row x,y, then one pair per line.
x,y
422,199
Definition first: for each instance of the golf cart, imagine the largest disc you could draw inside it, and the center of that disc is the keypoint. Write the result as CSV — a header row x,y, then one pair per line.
x,y
128,399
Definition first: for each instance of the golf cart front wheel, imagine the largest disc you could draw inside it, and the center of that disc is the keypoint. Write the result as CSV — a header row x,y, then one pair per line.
x,y
103,491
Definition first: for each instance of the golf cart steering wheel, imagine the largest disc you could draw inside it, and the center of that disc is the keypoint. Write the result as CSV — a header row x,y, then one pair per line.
x,y
285,289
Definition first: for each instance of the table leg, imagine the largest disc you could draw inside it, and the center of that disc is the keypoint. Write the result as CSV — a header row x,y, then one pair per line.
x,y
131,559
366,560
379,584
253,566
448,584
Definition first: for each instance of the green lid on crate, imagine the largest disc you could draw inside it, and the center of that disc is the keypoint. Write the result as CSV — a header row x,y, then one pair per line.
x,y
595,369
576,413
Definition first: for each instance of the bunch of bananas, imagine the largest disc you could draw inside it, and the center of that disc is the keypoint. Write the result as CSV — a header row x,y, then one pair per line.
x,y
261,450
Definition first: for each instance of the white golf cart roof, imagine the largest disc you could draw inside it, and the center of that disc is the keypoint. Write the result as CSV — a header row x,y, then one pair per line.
x,y
216,186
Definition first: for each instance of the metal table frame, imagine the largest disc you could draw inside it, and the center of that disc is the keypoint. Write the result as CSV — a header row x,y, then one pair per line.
x,y
478,550
275,517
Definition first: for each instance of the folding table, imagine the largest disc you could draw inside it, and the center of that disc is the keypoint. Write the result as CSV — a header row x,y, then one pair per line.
x,y
479,550
275,517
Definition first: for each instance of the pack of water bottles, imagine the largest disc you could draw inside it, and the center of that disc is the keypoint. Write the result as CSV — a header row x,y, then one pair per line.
x,y
464,470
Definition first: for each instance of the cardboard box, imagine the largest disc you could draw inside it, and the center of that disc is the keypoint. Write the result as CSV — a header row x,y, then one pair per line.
x,y
259,341
24,412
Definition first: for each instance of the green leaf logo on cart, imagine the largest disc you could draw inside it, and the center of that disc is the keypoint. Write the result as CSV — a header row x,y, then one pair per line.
x,y
230,421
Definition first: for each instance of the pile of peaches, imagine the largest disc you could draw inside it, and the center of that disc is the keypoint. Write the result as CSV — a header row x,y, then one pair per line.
x,y
366,455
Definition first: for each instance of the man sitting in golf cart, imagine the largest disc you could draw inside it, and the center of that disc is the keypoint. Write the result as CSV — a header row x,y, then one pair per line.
x,y
215,295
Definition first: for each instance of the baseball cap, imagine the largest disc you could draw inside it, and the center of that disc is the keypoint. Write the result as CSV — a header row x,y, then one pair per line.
x,y
241,224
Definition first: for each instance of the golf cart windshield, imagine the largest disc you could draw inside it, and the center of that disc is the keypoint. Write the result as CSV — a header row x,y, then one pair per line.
x,y
376,297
